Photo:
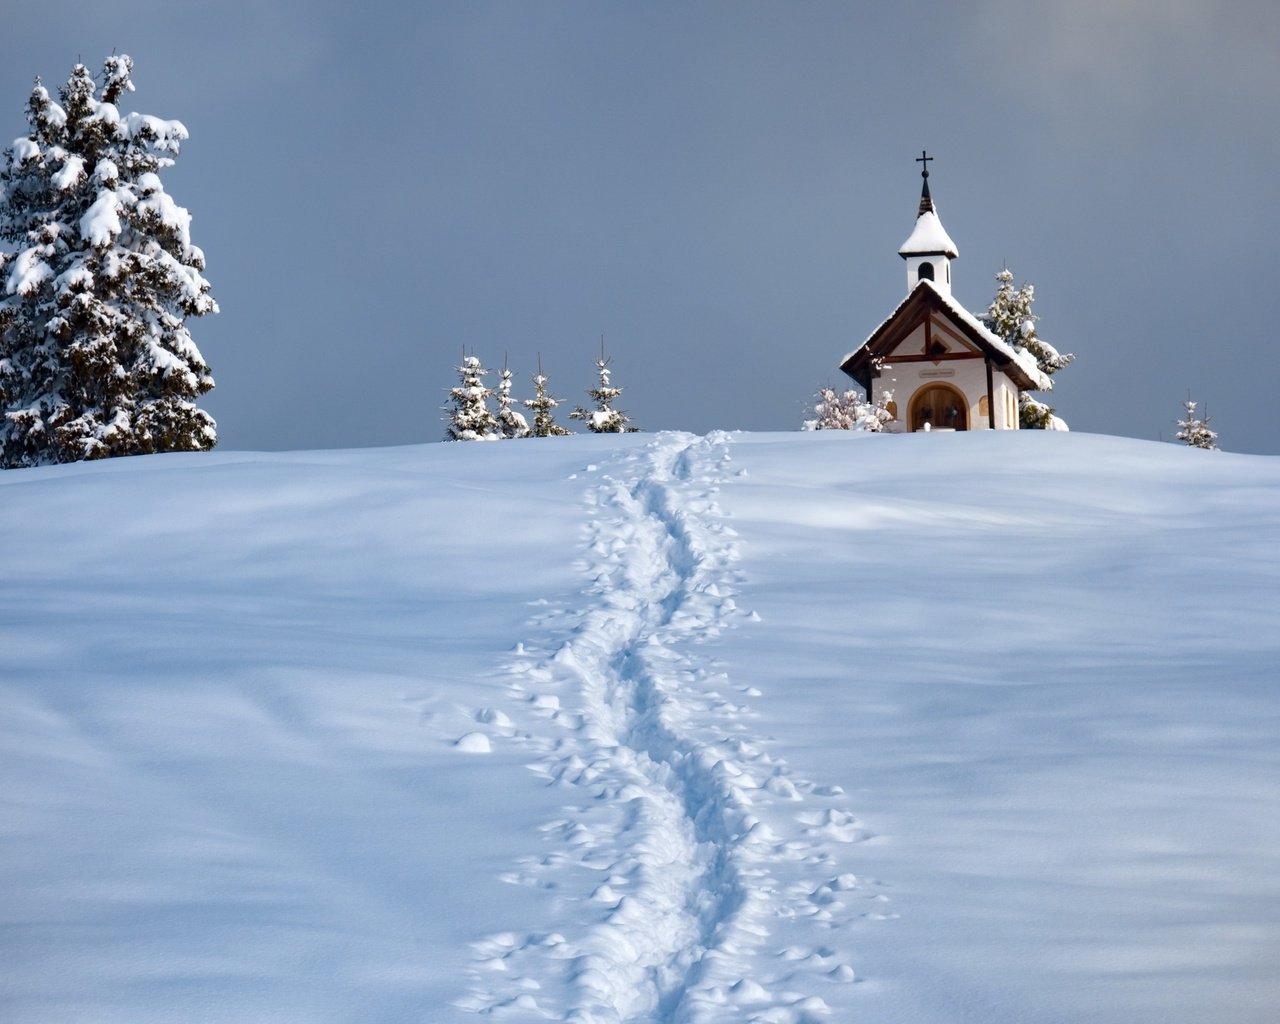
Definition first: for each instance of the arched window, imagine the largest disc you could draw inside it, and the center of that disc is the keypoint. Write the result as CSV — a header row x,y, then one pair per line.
x,y
925,272
939,405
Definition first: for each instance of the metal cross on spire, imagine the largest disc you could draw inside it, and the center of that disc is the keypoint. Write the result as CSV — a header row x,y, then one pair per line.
x,y
926,200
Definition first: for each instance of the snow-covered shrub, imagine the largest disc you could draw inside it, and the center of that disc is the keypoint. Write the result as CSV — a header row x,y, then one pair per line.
x,y
96,282
849,411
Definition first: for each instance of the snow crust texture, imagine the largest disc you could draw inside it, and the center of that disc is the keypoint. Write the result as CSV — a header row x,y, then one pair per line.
x,y
683,844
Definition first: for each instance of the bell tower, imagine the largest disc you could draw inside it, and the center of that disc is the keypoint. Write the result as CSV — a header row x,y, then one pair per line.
x,y
929,249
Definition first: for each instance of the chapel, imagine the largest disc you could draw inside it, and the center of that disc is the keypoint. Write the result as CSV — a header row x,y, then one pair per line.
x,y
941,365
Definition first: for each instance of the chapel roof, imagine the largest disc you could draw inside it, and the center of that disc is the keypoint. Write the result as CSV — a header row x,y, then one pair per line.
x,y
924,300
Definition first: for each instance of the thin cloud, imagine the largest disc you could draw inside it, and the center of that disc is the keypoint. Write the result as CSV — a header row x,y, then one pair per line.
x,y
1138,55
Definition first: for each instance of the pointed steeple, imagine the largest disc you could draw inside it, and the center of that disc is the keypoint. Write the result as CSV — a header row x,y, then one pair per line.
x,y
926,200
929,249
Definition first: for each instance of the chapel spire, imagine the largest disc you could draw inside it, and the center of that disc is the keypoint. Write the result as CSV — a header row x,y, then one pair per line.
x,y
926,200
929,249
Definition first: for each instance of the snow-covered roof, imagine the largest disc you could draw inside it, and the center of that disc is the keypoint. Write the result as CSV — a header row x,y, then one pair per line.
x,y
929,238
926,292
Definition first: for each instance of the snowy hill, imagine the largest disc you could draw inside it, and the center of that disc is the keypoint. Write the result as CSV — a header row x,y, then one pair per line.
x,y
654,728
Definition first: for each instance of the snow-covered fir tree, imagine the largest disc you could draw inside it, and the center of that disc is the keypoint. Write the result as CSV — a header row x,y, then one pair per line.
x,y
1194,431
468,408
1009,316
849,411
604,418
97,279
543,407
510,422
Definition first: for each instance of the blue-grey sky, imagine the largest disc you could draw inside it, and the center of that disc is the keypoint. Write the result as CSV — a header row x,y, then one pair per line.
x,y
719,188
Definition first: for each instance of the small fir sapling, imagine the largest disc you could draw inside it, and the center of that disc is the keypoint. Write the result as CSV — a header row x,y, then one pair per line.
x,y
99,280
849,411
1194,431
543,406
604,419
1009,317
468,409
510,422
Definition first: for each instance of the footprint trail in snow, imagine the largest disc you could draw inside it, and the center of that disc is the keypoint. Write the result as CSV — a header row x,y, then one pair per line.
x,y
692,878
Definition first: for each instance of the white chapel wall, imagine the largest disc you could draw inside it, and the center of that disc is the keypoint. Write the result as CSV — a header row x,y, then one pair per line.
x,y
968,375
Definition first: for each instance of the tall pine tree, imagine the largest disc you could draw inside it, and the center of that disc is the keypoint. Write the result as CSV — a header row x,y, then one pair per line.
x,y
95,356
1009,316
604,419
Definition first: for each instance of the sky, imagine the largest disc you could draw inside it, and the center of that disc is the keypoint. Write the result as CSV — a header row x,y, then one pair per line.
x,y
717,189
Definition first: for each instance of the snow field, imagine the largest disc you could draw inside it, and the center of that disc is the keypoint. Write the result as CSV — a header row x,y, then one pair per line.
x,y
652,729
